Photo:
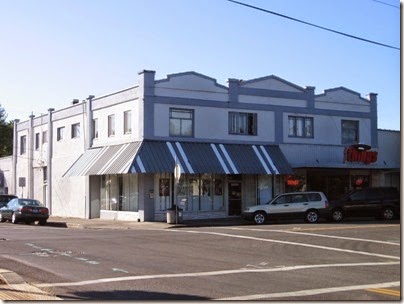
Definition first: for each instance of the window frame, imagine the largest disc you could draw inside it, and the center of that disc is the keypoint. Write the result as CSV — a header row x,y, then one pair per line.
x,y
347,139
111,125
295,131
37,141
23,144
127,122
95,128
173,119
44,137
75,130
60,133
243,123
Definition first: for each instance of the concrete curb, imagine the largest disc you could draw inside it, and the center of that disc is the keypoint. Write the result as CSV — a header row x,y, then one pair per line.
x,y
18,289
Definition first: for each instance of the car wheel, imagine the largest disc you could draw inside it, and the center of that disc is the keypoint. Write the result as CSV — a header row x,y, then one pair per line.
x,y
388,214
337,215
2,219
42,222
311,216
260,217
14,219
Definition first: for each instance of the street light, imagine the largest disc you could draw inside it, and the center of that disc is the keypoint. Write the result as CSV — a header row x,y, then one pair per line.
x,y
177,176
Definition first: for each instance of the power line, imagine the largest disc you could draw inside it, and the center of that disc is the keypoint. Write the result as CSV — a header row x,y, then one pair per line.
x,y
314,25
392,5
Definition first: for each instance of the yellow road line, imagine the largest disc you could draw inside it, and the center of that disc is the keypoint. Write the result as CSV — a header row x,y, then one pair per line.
x,y
390,292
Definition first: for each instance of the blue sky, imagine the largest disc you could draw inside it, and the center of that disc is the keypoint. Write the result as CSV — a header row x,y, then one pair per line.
x,y
55,51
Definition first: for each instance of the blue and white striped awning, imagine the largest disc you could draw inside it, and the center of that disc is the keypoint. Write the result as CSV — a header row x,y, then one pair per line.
x,y
151,156
199,158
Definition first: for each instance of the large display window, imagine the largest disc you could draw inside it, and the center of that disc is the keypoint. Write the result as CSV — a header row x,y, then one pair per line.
x,y
120,192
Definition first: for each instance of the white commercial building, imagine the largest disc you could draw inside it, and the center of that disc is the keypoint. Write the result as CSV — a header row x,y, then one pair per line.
x,y
237,145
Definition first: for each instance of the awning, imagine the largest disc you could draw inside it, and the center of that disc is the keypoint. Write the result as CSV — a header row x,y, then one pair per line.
x,y
151,156
115,159
199,158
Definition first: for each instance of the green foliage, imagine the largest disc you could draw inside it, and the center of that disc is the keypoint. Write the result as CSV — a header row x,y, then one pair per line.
x,y
6,134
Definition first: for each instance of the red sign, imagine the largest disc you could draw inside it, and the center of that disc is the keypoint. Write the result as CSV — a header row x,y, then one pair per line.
x,y
355,155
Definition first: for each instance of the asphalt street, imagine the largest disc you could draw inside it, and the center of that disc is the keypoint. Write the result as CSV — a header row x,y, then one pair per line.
x,y
355,260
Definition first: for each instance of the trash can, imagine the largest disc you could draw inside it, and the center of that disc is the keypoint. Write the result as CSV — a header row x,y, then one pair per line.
x,y
171,216
174,215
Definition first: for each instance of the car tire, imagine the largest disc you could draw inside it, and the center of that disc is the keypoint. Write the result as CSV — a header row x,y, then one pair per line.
x,y
42,222
14,219
337,215
311,216
260,217
2,219
388,213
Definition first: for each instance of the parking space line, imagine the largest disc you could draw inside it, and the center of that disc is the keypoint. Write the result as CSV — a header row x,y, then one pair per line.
x,y
289,243
320,235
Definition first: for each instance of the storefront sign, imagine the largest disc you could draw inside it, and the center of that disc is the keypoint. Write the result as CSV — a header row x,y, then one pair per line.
x,y
355,154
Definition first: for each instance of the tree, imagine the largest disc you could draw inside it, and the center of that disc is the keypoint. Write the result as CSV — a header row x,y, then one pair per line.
x,y
6,134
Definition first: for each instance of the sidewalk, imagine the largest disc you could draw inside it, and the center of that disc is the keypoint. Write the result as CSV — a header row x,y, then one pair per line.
x,y
97,223
14,288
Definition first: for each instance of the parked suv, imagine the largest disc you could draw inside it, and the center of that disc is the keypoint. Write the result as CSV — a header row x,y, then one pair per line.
x,y
5,198
309,206
380,202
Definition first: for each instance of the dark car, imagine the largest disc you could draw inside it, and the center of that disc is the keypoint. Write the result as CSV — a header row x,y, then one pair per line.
x,y
379,202
5,198
24,209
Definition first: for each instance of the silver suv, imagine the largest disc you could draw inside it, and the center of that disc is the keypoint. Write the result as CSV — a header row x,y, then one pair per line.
x,y
309,206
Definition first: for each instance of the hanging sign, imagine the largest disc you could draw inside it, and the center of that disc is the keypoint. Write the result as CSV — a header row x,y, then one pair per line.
x,y
360,153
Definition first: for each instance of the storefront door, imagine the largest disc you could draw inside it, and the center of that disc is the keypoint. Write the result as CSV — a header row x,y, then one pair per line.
x,y
235,198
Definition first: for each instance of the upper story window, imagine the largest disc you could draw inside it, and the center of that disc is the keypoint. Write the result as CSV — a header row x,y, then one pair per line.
x,y
76,130
111,125
23,144
37,140
181,122
127,122
44,137
349,131
60,133
95,128
243,123
300,126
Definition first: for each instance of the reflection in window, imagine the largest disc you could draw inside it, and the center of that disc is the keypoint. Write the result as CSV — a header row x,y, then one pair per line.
x,y
350,131
111,125
60,133
76,130
120,192
300,126
181,122
127,122
243,123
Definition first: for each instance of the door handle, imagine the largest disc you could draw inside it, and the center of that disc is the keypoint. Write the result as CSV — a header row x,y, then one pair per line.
x,y
305,203
286,205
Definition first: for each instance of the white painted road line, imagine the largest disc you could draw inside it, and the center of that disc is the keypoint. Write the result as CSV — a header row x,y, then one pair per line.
x,y
318,235
309,292
212,273
290,243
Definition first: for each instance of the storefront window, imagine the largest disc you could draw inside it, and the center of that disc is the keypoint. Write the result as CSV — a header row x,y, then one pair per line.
x,y
197,193
162,200
264,189
120,192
